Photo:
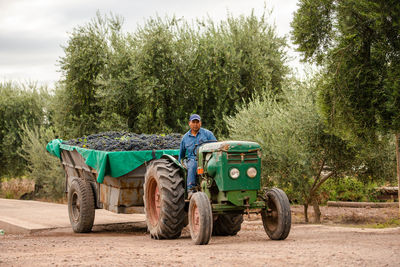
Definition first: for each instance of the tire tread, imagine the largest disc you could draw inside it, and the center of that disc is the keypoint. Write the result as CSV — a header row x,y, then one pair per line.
x,y
284,221
171,186
87,207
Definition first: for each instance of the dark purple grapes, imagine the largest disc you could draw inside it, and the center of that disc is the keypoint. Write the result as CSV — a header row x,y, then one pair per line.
x,y
125,141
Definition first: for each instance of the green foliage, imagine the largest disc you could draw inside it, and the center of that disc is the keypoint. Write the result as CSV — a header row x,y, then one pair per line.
x,y
86,55
376,161
151,80
117,92
313,16
349,189
234,60
358,43
158,65
390,223
297,151
44,168
18,104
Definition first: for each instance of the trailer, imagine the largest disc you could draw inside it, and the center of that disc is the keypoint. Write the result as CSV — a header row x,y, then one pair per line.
x,y
103,180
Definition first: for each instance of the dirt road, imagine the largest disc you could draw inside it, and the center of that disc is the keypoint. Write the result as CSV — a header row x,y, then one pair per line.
x,y
307,245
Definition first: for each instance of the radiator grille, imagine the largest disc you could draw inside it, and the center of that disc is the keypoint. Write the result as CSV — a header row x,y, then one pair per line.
x,y
237,158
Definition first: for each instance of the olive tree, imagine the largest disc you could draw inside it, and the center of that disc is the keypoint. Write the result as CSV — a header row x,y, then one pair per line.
x,y
18,104
233,60
357,42
42,167
86,55
151,79
298,153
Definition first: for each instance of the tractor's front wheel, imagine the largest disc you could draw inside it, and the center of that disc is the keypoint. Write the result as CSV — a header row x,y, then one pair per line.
x,y
200,218
164,201
276,216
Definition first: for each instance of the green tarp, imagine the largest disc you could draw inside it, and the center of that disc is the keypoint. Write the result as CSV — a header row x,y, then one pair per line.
x,y
114,164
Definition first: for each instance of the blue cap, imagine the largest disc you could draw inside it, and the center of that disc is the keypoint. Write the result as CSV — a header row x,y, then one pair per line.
x,y
194,117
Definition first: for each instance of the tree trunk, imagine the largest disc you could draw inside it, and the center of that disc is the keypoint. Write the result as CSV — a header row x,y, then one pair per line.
x,y
317,212
398,167
306,212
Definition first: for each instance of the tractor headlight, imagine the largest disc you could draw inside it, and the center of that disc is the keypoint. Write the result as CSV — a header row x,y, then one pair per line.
x,y
251,172
234,173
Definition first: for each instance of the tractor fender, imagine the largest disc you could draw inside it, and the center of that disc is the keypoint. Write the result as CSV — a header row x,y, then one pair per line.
x,y
174,160
182,168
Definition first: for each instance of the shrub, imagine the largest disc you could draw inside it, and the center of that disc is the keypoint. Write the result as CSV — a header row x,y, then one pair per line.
x,y
16,187
298,153
348,189
44,168
18,104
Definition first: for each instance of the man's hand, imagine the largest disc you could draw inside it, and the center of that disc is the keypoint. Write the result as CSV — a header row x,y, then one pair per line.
x,y
183,164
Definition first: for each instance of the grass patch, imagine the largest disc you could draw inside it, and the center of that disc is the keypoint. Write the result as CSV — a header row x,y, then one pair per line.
x,y
391,223
14,188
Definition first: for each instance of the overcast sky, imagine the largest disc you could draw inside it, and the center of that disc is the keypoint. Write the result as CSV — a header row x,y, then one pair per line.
x,y
33,31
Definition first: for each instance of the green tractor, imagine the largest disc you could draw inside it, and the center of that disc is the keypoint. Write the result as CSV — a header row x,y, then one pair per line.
x,y
229,179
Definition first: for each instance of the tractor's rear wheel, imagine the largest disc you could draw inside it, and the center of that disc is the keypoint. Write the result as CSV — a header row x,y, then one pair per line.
x,y
276,217
81,209
200,218
164,200
227,224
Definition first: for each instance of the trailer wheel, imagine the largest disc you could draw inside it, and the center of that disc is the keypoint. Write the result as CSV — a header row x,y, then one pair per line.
x,y
227,224
276,217
200,218
164,200
81,208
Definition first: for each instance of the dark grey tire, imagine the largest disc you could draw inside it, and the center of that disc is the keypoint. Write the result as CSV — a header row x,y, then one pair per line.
x,y
164,200
276,217
81,209
227,224
200,218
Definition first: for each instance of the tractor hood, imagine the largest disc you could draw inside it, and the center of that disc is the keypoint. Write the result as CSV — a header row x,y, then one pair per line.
x,y
230,146
218,159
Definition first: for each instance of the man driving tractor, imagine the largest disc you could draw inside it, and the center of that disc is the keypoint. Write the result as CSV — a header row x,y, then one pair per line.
x,y
194,137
